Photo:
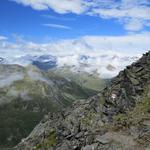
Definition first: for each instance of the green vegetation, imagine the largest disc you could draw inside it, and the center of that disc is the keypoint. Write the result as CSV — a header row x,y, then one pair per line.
x,y
16,122
87,120
137,115
85,80
18,118
48,142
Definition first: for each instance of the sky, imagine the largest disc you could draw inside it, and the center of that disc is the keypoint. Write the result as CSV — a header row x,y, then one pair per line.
x,y
30,19
74,27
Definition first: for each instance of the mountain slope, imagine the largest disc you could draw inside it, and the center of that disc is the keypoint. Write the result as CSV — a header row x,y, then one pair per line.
x,y
108,121
86,80
26,94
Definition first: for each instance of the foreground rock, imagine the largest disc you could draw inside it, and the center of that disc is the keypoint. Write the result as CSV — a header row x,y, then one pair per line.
x,y
116,119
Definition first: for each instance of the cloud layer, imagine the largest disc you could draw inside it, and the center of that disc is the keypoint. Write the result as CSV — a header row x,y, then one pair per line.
x,y
106,55
59,26
3,38
64,6
134,15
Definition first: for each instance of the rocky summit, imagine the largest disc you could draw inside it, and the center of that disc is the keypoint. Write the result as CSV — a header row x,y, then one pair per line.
x,y
118,118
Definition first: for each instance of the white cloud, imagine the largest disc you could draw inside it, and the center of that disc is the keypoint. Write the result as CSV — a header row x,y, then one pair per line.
x,y
3,38
128,12
58,17
101,51
57,26
64,6
130,43
134,24
132,14
7,80
87,44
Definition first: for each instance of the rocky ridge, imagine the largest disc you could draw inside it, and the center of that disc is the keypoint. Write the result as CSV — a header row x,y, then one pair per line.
x,y
118,118
127,89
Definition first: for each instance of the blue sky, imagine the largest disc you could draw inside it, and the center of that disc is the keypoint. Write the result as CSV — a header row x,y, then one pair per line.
x,y
42,20
17,19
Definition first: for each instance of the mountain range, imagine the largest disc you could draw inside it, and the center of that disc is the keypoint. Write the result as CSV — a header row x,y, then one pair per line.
x,y
105,65
117,118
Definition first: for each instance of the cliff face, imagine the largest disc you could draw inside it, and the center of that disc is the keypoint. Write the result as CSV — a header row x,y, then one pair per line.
x,y
118,118
128,87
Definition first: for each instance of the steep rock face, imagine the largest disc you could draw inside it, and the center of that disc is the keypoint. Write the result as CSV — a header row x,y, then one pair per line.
x,y
87,126
127,88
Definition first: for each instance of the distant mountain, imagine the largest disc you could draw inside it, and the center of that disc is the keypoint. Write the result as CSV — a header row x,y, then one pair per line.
x,y
91,81
106,66
2,60
45,62
84,57
118,118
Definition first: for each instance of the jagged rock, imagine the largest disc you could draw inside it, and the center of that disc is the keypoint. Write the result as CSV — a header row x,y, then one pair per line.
x,y
146,123
90,147
66,145
104,139
132,82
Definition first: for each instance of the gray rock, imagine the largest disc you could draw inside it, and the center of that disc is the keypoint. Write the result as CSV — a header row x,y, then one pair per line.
x,y
104,139
146,123
66,145
90,147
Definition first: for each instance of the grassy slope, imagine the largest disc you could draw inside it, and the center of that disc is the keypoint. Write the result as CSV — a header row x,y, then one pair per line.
x,y
85,80
16,122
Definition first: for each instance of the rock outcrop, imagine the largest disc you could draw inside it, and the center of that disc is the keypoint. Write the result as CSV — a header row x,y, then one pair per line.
x,y
127,88
118,118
